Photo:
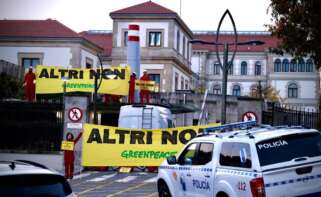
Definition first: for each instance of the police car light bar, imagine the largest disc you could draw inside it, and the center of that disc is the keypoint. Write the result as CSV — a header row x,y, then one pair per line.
x,y
236,125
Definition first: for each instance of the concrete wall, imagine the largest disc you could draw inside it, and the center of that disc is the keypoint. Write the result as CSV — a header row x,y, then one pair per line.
x,y
236,107
52,55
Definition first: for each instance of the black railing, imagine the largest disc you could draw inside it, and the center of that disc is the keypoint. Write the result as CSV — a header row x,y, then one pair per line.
x,y
292,116
33,127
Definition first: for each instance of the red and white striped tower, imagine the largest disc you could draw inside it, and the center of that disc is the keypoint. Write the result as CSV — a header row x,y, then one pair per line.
x,y
133,52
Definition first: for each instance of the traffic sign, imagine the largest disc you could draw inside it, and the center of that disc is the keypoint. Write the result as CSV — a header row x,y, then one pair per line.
x,y
249,116
75,114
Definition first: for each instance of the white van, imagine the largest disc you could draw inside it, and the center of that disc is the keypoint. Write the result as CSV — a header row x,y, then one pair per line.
x,y
145,116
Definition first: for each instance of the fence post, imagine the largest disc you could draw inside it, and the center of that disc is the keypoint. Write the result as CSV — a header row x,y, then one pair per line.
x,y
273,114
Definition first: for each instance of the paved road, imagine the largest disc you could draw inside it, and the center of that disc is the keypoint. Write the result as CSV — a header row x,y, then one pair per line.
x,y
113,183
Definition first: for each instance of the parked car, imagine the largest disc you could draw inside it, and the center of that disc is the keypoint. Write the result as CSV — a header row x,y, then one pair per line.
x,y
26,179
258,162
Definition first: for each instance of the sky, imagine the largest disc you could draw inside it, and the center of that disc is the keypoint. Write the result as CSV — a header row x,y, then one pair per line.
x,y
199,15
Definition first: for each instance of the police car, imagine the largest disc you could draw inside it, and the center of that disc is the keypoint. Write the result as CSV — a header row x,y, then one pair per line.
x,y
25,178
259,162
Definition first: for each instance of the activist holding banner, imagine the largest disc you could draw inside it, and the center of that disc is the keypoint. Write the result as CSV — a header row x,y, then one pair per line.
x,y
69,155
113,146
114,80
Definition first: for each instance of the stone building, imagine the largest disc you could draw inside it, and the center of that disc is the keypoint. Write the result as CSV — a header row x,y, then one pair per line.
x,y
31,42
296,81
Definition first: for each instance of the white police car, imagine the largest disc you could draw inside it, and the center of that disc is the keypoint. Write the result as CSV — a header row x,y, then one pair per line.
x,y
26,179
259,162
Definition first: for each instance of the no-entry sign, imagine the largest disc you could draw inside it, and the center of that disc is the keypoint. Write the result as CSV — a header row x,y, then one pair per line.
x,y
75,114
249,116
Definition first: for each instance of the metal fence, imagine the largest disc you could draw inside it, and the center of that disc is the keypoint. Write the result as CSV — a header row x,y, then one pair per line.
x,y
282,115
30,127
11,69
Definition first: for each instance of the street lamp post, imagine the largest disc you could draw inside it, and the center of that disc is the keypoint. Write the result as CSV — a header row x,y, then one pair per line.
x,y
98,75
64,79
225,66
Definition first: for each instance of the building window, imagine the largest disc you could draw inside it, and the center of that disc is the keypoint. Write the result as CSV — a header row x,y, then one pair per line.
x,y
258,68
156,78
187,49
309,65
184,46
186,84
178,37
301,65
217,89
30,62
155,38
243,68
125,38
217,68
293,90
293,66
176,81
182,83
231,68
236,90
89,62
277,65
285,65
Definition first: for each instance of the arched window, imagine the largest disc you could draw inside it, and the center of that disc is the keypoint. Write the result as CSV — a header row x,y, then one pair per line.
x,y
243,68
309,65
230,71
277,65
236,90
217,68
293,66
301,65
293,90
217,89
285,65
258,68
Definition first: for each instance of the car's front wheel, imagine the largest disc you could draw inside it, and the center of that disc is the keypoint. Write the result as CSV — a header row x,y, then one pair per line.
x,y
163,190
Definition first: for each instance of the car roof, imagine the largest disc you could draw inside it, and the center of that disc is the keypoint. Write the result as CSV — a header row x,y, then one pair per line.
x,y
255,134
8,168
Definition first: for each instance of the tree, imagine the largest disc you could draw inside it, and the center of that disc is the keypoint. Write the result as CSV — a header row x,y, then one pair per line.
x,y
297,23
10,87
269,94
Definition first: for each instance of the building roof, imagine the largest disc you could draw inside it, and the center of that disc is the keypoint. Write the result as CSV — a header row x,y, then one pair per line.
x,y
148,7
270,42
103,39
35,28
150,10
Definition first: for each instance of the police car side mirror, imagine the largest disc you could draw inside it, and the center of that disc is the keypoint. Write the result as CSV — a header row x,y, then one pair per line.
x,y
171,160
188,161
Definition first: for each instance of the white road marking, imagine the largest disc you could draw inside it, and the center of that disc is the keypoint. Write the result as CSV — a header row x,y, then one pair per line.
x,y
126,179
82,175
102,178
151,180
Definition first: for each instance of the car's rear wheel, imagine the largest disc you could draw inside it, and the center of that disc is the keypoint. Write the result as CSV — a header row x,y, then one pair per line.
x,y
222,194
163,190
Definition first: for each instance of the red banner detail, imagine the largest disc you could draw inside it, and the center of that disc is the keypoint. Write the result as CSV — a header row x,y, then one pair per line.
x,y
133,38
133,27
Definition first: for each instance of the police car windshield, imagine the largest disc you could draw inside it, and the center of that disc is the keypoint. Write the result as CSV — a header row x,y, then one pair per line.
x,y
286,148
34,185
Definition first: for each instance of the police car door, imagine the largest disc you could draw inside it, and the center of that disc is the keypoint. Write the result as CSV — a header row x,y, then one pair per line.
x,y
185,161
202,171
